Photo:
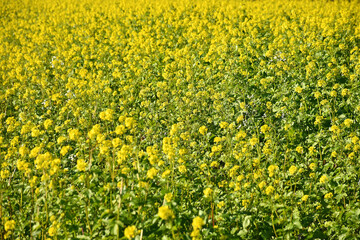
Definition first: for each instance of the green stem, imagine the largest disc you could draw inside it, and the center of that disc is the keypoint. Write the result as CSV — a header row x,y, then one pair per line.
x,y
88,205
273,225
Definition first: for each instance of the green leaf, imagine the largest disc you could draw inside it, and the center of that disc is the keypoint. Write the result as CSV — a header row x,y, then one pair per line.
x,y
82,237
115,230
246,222
296,218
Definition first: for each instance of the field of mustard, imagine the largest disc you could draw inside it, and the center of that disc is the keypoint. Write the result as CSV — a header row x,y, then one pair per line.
x,y
191,119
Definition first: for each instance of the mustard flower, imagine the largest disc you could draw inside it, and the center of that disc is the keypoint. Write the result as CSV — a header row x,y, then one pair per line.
x,y
165,213
292,170
130,232
198,223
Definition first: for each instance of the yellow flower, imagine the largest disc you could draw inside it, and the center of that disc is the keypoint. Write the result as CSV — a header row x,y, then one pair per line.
x,y
348,122
81,165
240,135
272,169
151,173
32,181
242,105
269,190
94,131
182,169
116,142
312,166
240,118
254,141
165,213
323,102
74,134
292,170
221,204
224,125
130,232
208,192
216,148
182,151
168,197
321,83
107,115
262,184
344,92
48,123
35,132
203,130
64,150
245,202
52,231
214,164
198,223
300,149
268,105
256,162
318,120
125,170
34,152
195,234
165,173
130,122
335,129
61,139
323,179
23,151
9,225
317,95
328,195
265,128
298,89
304,198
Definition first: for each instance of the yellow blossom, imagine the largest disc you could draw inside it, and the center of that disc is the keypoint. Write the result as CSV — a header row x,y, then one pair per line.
x,y
312,166
328,195
9,225
224,125
292,170
165,213
304,198
151,173
81,165
130,232
298,89
348,122
254,141
323,179
198,223
203,130
208,192
168,197
269,190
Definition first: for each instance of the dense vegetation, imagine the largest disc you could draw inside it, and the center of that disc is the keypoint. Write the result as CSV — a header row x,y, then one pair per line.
x,y
192,119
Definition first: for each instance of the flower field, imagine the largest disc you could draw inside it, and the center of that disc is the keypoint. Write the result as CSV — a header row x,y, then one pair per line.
x,y
192,119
